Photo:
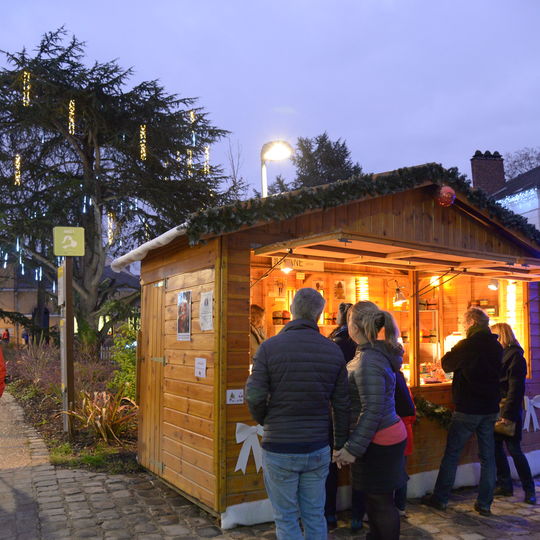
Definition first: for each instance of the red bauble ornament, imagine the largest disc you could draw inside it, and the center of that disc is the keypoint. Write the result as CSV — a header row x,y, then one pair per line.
x,y
446,196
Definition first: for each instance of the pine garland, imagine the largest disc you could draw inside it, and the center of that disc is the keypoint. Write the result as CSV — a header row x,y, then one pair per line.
x,y
225,219
433,411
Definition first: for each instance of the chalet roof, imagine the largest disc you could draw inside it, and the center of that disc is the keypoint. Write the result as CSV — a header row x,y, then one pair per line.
x,y
243,214
527,180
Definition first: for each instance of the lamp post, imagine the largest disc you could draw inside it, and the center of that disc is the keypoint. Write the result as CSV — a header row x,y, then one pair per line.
x,y
273,151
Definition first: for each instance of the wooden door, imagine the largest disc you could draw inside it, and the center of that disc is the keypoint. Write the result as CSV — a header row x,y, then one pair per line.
x,y
150,377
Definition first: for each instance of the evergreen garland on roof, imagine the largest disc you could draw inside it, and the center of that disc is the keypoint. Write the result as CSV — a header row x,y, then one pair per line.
x,y
226,219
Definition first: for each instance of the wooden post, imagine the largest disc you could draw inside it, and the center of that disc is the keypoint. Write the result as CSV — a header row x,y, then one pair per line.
x,y
66,347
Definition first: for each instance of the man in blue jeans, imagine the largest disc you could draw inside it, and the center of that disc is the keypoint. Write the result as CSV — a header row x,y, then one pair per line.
x,y
297,376
476,363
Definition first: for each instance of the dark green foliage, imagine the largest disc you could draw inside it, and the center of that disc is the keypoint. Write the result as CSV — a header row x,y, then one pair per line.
x,y
80,179
322,161
288,205
124,353
432,411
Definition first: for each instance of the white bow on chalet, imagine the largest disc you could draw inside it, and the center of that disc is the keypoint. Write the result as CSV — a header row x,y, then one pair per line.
x,y
530,413
249,436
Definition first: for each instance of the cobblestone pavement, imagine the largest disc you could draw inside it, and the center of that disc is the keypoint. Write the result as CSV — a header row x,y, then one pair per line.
x,y
42,502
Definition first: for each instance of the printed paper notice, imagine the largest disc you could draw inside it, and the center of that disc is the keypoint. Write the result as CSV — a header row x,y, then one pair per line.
x,y
235,397
184,316
200,367
205,311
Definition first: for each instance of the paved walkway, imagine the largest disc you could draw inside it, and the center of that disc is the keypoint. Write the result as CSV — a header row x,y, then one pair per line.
x,y
42,502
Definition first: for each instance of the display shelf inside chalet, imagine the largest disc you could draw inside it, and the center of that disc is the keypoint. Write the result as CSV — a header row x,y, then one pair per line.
x,y
365,238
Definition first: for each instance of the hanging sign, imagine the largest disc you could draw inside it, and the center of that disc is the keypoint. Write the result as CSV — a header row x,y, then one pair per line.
x,y
205,311
68,241
200,367
301,264
183,316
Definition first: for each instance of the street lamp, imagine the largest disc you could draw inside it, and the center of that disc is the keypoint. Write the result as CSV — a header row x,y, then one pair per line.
x,y
273,151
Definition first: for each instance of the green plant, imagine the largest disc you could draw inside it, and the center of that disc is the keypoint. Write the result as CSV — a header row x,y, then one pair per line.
x,y
433,411
106,415
124,353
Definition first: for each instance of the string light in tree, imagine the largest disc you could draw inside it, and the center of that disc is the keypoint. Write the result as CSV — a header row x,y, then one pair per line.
x,y
26,89
142,141
189,161
110,227
71,117
206,168
5,260
17,169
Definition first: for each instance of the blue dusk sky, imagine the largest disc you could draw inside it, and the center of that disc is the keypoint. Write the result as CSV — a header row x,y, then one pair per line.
x,y
403,82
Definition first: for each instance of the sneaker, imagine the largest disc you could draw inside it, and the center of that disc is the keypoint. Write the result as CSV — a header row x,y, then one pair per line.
x,y
331,522
356,525
430,500
503,492
481,510
530,498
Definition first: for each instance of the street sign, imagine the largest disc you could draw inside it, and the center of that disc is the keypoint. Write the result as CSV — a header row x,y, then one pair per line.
x,y
68,241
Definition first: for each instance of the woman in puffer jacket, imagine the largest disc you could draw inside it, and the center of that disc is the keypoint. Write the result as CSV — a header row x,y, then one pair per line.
x,y
377,440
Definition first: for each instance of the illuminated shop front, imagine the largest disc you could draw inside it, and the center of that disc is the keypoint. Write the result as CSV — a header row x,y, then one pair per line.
x,y
418,242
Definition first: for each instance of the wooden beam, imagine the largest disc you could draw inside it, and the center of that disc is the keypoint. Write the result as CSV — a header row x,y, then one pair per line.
x,y
304,241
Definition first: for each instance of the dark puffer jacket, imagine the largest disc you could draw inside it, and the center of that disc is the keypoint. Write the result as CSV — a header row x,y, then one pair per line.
x,y
297,375
372,382
513,373
476,363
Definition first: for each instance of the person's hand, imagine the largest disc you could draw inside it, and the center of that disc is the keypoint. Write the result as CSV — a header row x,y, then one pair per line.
x,y
505,421
343,457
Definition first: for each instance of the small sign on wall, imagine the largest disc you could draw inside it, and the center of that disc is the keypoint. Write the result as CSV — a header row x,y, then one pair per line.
x,y
205,311
184,316
200,367
235,397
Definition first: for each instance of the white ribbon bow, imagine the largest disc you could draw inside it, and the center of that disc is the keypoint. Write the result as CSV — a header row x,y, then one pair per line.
x,y
249,436
530,413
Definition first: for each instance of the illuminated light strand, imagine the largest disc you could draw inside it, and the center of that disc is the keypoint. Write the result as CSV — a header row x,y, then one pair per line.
x,y
142,141
361,288
190,161
26,89
206,167
110,227
71,117
17,167
5,260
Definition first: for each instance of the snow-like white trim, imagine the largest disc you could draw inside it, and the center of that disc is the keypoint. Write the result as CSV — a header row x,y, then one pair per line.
x,y
419,484
139,253
249,513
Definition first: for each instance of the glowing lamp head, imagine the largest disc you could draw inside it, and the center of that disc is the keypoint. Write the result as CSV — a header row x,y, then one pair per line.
x,y
287,267
276,151
493,285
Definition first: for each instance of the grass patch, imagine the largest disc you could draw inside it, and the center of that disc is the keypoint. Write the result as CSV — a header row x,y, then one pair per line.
x,y
99,458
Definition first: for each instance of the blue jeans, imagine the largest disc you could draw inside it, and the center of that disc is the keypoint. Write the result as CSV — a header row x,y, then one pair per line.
x,y
462,427
295,483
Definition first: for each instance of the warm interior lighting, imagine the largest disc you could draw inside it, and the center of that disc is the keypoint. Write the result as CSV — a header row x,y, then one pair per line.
x,y
276,151
511,297
493,284
434,281
361,288
399,297
287,267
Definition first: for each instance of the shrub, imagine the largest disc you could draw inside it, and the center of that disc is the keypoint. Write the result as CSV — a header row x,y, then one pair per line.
x,y
106,415
124,354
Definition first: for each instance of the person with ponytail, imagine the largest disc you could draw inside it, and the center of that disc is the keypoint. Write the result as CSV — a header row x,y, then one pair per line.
x,y
378,437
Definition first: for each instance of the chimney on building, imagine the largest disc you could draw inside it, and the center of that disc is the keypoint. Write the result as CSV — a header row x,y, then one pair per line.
x,y
487,171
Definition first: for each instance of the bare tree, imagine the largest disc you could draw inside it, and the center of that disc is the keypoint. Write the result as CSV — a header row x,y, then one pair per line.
x,y
521,161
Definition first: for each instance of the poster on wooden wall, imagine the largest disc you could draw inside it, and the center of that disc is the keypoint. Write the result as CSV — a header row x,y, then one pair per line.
x,y
183,332
205,311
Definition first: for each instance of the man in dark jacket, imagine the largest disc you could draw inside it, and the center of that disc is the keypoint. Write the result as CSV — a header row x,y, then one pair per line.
x,y
476,363
297,375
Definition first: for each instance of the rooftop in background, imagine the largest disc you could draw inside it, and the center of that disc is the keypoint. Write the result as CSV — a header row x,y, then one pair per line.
x,y
525,181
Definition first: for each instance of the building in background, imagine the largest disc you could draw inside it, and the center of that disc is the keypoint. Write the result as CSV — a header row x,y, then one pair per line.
x,y
521,194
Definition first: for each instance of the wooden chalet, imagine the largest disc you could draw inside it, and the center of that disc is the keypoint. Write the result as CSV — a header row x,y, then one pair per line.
x,y
394,238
